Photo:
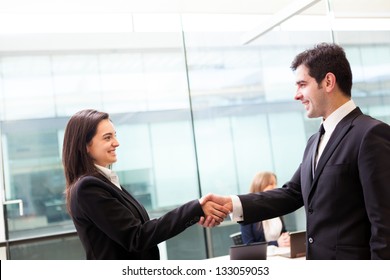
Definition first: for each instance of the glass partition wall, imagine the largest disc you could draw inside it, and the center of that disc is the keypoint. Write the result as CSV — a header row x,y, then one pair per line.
x,y
196,111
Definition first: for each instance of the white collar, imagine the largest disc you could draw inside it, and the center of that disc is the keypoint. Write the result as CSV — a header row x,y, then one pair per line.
x,y
331,122
111,175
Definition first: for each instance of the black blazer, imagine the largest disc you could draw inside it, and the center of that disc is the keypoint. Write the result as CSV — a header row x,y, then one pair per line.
x,y
111,224
347,203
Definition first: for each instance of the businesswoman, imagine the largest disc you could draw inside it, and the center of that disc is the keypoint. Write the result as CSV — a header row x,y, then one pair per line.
x,y
110,222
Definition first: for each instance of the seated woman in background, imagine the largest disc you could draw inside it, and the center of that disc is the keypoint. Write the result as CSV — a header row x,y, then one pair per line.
x,y
273,231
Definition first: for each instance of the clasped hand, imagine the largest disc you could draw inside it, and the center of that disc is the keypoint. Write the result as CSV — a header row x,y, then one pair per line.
x,y
216,208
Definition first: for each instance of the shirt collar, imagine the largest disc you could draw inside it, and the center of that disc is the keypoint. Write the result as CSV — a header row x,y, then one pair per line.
x,y
333,119
111,175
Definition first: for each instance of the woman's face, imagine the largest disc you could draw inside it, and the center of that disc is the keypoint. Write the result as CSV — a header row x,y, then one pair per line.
x,y
103,145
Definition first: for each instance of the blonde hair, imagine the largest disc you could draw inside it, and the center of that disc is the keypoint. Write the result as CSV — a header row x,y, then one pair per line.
x,y
261,181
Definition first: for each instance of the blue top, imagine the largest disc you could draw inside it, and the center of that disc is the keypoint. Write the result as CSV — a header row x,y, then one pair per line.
x,y
255,233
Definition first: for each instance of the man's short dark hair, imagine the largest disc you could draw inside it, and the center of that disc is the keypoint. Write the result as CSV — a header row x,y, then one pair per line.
x,y
325,58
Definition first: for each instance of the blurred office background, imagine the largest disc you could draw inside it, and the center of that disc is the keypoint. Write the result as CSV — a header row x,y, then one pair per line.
x,y
200,91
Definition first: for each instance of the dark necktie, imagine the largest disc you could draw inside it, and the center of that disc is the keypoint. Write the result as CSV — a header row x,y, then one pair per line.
x,y
320,133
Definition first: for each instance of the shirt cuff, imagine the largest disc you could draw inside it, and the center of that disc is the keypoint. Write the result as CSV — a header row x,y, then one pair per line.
x,y
237,214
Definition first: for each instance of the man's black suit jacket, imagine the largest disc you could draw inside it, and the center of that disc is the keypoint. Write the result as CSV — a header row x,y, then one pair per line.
x,y
111,224
347,203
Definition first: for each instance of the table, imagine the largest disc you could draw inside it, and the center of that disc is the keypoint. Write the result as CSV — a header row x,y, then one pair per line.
x,y
273,253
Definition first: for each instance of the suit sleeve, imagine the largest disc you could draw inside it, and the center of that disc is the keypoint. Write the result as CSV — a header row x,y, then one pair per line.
x,y
273,203
374,172
123,225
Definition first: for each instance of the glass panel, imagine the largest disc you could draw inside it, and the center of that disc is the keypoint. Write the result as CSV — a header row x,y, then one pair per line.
x,y
27,87
189,245
146,94
33,174
220,238
246,119
75,77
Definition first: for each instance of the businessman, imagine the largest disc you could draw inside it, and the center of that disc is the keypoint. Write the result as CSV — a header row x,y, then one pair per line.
x,y
343,181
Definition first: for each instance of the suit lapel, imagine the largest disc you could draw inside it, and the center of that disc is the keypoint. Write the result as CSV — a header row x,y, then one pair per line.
x,y
313,153
128,197
338,134
306,167
141,210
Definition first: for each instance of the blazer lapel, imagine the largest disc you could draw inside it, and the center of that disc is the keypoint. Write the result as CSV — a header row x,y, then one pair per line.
x,y
141,210
338,134
307,166
128,197
313,152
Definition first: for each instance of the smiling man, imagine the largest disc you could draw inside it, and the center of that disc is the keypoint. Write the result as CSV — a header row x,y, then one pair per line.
x,y
343,180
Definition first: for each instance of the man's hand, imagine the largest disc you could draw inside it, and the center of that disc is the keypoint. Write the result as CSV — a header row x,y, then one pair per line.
x,y
216,208
226,201
207,222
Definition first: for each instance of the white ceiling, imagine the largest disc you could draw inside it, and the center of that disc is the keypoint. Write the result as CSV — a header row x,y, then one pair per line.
x,y
84,24
342,8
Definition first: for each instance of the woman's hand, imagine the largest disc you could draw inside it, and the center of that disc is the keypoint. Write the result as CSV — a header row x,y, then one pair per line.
x,y
284,240
215,208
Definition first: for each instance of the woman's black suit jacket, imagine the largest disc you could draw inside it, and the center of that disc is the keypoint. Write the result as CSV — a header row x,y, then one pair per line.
x,y
111,224
347,203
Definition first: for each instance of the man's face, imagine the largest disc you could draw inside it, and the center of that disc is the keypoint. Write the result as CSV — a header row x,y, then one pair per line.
x,y
310,93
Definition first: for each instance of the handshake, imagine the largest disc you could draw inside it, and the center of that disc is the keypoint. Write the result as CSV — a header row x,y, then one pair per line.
x,y
216,208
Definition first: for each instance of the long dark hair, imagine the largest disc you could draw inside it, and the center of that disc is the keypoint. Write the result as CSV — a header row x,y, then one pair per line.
x,y
79,131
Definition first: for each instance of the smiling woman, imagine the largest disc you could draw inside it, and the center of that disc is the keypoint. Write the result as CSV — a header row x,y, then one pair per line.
x,y
110,222
102,146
